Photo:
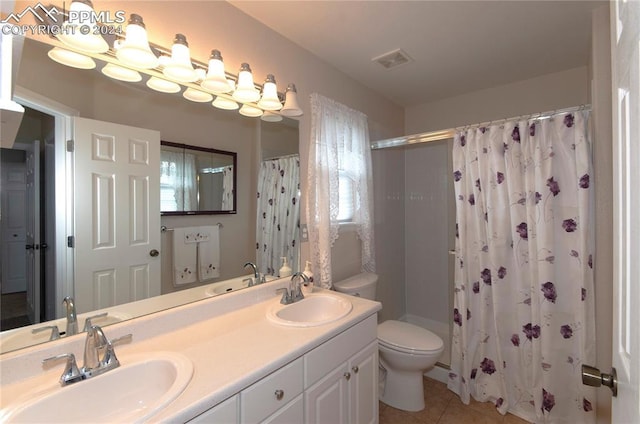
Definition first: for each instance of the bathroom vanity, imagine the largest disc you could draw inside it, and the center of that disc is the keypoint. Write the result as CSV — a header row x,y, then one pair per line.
x,y
247,368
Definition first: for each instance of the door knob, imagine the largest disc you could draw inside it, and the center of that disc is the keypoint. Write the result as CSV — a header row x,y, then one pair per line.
x,y
153,253
591,376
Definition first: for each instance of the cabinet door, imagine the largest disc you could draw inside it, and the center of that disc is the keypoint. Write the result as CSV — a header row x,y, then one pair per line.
x,y
326,401
223,413
363,386
291,413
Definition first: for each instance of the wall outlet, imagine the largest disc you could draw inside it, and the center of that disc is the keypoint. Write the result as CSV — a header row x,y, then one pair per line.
x,y
304,233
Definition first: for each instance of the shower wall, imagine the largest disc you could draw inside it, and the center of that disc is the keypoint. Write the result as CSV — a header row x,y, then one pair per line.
x,y
428,235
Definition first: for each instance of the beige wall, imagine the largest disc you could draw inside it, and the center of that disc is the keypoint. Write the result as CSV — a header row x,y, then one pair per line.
x,y
546,92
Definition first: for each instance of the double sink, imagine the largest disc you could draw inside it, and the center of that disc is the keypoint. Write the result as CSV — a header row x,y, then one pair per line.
x,y
145,383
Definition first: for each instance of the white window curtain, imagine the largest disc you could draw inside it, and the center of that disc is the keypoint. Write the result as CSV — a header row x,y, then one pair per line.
x,y
178,178
227,188
339,143
278,217
524,295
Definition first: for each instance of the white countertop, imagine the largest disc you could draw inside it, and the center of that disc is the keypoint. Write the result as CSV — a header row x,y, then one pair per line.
x,y
228,338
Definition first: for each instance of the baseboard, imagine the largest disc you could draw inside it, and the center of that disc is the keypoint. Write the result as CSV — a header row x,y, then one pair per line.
x,y
439,373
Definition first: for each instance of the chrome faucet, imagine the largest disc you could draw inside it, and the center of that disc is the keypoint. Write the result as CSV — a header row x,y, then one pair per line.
x,y
99,354
294,293
257,278
72,317
99,357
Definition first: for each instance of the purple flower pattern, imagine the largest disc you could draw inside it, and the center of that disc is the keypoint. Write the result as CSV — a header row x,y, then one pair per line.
x,y
457,176
457,318
556,293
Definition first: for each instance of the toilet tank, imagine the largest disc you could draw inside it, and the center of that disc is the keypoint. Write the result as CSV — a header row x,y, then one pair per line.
x,y
362,285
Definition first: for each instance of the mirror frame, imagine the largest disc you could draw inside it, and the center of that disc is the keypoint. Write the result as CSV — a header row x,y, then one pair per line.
x,y
234,155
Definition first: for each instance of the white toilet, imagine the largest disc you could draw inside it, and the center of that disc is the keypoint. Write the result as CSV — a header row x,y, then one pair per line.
x,y
406,350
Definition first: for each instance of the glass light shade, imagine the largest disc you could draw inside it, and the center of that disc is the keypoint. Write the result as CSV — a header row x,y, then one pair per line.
x,y
197,95
180,67
224,103
251,111
69,58
245,90
135,50
271,117
216,80
269,99
291,107
162,86
79,32
121,73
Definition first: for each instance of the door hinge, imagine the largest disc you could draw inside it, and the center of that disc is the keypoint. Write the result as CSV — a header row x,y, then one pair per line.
x,y
70,146
71,241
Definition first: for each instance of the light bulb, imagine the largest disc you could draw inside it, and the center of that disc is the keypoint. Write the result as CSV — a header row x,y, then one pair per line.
x,y
251,111
180,67
291,107
69,58
216,80
270,100
120,73
245,90
197,95
135,50
162,85
81,30
271,117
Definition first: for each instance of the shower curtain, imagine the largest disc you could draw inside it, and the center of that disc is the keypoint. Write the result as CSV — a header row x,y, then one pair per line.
x,y
524,297
278,217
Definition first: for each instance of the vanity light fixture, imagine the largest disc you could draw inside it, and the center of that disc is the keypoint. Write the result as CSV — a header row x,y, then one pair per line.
x,y
269,99
245,91
121,73
251,111
197,95
291,106
216,80
166,70
71,58
135,50
79,32
180,68
269,116
163,85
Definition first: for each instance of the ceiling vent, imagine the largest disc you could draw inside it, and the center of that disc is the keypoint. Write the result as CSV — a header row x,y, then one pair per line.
x,y
393,58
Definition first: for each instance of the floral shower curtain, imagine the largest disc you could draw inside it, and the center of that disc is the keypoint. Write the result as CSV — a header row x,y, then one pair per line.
x,y
227,188
278,217
524,297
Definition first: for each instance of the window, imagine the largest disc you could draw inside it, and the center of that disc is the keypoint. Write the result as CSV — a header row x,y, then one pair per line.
x,y
346,197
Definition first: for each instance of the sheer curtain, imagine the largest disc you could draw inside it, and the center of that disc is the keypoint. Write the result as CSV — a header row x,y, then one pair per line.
x,y
339,142
178,178
524,295
278,217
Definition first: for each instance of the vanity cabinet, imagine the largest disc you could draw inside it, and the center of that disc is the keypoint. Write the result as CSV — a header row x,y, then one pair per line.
x,y
348,394
334,383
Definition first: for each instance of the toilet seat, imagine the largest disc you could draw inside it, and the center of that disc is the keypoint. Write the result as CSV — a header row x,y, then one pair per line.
x,y
408,338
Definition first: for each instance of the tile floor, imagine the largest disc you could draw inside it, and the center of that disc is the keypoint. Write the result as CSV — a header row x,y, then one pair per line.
x,y
444,407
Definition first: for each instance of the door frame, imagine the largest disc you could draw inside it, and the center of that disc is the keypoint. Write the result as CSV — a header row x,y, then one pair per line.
x,y
64,221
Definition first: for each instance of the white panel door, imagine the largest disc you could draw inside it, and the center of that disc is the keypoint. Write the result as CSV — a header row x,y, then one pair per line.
x,y
326,402
625,50
363,390
117,214
33,232
14,203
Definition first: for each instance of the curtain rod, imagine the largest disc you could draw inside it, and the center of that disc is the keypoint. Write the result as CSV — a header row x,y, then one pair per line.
x,y
451,132
292,155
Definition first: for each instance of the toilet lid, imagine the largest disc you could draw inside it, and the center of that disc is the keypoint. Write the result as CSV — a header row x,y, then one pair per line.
x,y
403,335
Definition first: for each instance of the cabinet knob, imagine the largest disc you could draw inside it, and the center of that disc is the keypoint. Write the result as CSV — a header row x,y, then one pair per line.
x,y
347,375
355,369
279,394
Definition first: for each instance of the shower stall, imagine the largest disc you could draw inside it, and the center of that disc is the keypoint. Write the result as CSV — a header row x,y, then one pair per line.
x,y
414,211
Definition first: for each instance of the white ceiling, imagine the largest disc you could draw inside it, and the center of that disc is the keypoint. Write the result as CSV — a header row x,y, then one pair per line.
x,y
456,46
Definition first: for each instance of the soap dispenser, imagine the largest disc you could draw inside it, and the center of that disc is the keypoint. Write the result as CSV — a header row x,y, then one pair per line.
x,y
307,271
285,270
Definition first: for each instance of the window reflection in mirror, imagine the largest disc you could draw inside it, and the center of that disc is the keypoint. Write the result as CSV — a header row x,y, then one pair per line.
x,y
196,180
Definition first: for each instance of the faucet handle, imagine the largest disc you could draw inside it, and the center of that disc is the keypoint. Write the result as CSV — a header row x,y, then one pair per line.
x,y
88,323
286,297
110,360
55,332
71,373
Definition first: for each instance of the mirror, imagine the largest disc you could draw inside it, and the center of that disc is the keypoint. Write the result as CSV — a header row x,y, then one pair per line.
x,y
98,97
196,180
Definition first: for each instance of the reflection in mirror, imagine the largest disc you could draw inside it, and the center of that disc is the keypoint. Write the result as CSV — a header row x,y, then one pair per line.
x,y
98,97
196,180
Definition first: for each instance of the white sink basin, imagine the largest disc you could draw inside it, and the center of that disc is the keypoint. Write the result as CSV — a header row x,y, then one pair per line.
x,y
315,309
226,287
139,388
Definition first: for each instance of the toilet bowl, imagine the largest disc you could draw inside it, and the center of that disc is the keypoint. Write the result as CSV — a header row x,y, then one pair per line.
x,y
406,350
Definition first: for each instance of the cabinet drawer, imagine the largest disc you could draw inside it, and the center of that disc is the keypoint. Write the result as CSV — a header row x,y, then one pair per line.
x,y
271,393
292,413
321,360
